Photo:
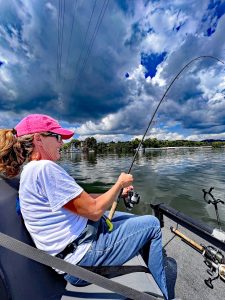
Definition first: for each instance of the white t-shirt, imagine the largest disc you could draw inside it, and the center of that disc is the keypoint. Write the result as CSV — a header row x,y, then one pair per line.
x,y
44,188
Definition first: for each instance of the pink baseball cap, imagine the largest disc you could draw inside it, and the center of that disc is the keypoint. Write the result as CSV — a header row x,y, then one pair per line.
x,y
41,123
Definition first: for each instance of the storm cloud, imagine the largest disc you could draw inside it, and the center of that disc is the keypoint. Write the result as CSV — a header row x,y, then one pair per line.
x,y
101,67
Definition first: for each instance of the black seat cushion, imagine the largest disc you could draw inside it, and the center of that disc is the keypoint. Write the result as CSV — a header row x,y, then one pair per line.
x,y
20,277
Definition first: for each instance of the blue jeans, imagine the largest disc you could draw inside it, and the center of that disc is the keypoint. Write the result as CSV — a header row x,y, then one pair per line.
x,y
129,235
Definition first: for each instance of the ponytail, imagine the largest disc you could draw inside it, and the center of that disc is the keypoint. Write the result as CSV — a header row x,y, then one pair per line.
x,y
14,151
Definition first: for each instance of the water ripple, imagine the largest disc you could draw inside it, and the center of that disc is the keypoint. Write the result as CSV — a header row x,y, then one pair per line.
x,y
175,177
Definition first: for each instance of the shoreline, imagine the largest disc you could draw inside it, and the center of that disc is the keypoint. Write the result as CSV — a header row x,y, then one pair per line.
x,y
179,147
151,149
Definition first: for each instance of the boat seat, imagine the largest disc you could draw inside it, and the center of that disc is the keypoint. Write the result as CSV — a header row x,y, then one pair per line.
x,y
22,278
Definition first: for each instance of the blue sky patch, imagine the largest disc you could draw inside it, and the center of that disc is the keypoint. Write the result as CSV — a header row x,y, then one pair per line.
x,y
178,27
216,9
150,62
127,6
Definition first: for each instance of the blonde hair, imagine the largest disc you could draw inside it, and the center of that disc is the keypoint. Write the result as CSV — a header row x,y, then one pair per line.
x,y
14,151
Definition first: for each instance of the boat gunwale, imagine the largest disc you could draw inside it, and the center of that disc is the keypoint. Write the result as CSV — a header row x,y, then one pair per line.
x,y
197,227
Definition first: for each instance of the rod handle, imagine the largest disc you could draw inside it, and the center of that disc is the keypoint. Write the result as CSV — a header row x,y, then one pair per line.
x,y
108,223
112,210
186,239
114,206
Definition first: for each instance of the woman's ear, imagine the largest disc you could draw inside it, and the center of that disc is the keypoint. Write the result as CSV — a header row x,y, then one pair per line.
x,y
37,139
37,142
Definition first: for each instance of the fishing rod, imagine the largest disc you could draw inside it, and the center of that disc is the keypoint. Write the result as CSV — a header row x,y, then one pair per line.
x,y
132,198
213,258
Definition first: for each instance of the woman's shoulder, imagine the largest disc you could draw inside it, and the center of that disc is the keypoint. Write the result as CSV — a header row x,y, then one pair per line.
x,y
39,165
48,165
46,162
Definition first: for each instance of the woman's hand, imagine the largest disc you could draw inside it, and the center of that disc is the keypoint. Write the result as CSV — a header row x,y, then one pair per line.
x,y
126,190
125,180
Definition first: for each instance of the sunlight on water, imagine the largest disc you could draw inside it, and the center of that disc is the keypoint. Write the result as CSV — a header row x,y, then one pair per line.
x,y
175,177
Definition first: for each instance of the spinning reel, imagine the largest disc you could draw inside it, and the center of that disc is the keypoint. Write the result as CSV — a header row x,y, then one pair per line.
x,y
214,260
131,199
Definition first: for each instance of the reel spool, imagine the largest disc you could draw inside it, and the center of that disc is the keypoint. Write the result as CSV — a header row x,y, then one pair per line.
x,y
132,199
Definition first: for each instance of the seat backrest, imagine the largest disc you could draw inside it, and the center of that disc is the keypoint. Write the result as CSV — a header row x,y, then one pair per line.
x,y
20,277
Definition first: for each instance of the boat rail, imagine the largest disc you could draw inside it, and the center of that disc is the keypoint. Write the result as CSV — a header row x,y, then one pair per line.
x,y
202,230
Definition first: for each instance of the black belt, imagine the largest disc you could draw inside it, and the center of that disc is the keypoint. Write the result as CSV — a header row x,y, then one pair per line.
x,y
89,234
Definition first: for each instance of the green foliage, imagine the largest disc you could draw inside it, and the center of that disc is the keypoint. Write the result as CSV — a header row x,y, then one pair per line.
x,y
90,143
75,142
102,147
217,144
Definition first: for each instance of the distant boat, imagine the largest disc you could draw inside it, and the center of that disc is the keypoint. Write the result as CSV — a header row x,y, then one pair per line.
x,y
141,149
74,150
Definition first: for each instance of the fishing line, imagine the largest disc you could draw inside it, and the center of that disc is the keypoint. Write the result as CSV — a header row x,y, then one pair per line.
x,y
112,211
85,38
61,13
71,33
96,29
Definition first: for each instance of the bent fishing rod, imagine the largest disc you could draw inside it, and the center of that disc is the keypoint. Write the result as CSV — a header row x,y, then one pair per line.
x,y
135,201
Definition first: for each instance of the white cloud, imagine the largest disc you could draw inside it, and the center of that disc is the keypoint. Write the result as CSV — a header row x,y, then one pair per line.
x,y
103,101
200,137
107,138
161,134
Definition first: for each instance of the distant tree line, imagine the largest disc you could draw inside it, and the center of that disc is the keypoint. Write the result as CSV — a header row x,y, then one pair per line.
x,y
91,143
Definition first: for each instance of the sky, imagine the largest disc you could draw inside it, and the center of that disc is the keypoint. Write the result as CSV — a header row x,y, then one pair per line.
x,y
100,67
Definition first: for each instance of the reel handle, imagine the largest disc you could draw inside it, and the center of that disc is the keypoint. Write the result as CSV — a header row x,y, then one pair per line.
x,y
208,282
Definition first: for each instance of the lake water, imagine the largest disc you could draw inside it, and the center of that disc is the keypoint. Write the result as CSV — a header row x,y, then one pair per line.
x,y
175,177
